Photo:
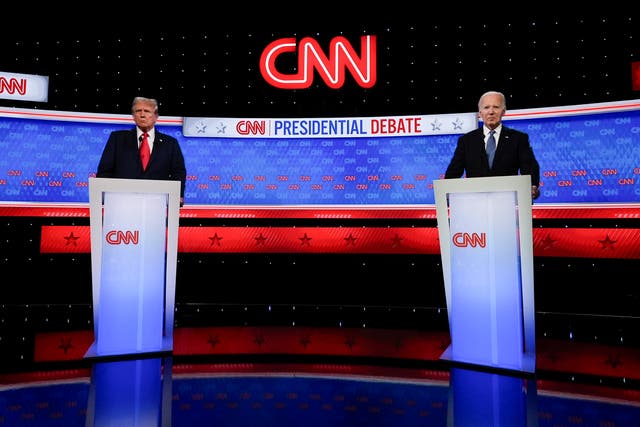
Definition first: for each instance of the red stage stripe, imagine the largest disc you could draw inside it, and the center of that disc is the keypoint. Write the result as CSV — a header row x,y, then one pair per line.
x,y
547,242
551,355
587,242
65,239
577,211
373,240
60,346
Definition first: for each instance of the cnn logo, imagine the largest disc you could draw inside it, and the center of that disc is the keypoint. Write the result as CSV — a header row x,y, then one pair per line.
x,y
332,68
465,240
13,85
119,237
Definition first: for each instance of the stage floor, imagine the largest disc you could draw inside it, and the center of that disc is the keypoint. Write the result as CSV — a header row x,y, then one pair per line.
x,y
160,391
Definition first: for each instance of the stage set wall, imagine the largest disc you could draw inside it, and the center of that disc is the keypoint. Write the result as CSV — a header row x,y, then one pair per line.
x,y
585,223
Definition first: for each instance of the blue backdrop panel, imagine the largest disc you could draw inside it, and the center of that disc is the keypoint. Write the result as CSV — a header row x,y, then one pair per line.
x,y
587,158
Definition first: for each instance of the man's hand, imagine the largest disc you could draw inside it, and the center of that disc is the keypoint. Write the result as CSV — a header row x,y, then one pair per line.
x,y
535,192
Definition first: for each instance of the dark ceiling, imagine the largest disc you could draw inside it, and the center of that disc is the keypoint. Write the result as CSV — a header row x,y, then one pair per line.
x,y
436,66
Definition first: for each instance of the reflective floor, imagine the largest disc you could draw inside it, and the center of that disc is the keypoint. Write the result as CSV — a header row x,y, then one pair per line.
x,y
157,391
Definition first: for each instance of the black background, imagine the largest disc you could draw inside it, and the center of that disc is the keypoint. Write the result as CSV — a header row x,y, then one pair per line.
x,y
441,63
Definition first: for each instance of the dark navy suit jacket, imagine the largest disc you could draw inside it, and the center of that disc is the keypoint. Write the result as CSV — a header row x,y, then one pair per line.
x,y
120,158
513,156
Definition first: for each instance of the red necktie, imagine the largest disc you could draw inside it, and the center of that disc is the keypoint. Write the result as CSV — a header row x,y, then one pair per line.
x,y
145,153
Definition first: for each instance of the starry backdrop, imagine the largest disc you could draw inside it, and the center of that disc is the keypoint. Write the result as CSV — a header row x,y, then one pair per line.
x,y
438,65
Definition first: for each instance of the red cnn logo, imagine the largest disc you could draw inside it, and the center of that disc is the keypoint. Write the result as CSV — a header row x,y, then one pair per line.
x,y
310,57
251,127
117,237
13,86
464,240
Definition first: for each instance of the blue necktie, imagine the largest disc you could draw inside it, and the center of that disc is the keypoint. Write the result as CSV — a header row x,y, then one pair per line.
x,y
491,147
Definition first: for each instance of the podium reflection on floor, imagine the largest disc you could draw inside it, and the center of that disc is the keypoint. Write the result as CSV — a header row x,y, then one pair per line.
x,y
134,392
158,391
478,398
139,393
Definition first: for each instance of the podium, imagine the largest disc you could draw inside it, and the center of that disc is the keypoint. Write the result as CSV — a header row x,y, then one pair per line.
x,y
134,248
485,232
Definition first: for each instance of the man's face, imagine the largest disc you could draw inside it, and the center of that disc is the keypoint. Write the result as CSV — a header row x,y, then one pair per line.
x,y
491,110
144,115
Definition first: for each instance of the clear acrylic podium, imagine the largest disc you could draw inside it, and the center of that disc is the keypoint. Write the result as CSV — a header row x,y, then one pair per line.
x,y
134,247
485,232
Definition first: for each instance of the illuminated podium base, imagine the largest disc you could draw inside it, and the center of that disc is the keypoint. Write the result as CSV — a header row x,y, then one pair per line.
x,y
164,349
485,232
134,228
527,363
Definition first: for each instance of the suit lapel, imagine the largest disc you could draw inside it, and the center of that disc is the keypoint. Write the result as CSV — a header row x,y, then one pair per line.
x,y
503,143
133,138
158,142
482,148
134,144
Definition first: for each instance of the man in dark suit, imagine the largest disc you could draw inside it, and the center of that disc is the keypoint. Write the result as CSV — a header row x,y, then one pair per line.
x,y
121,157
513,153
